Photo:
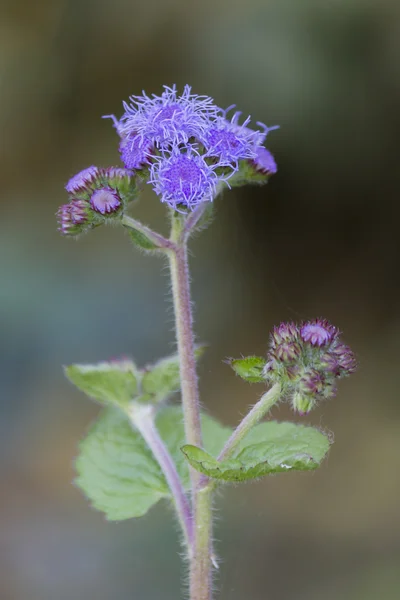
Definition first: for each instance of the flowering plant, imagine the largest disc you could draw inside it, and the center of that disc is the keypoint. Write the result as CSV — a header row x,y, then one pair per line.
x,y
142,448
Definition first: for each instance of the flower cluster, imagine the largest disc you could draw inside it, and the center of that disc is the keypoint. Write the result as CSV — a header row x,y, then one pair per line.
x,y
183,145
186,147
307,360
95,195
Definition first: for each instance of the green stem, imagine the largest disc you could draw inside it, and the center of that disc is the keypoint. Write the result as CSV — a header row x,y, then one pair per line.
x,y
258,411
202,562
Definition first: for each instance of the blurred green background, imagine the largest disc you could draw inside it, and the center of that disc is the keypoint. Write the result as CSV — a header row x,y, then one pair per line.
x,y
320,240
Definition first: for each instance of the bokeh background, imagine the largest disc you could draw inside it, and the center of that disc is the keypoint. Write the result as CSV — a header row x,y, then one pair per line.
x,y
320,240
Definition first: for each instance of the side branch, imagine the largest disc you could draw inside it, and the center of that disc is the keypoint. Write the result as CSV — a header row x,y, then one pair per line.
x,y
142,418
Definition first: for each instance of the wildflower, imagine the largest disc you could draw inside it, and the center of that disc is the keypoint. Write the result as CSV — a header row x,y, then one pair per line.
x,y
184,179
135,151
230,141
169,118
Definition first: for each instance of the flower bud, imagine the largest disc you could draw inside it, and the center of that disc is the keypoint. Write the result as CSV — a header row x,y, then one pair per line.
x,y
319,332
105,201
96,196
73,218
302,404
82,181
307,360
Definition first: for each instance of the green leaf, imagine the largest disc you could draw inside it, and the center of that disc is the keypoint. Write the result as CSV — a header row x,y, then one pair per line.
x,y
117,471
163,378
270,448
111,383
206,218
249,368
141,240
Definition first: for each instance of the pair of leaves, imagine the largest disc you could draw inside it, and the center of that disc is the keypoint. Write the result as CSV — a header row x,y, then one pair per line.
x,y
118,382
120,476
118,472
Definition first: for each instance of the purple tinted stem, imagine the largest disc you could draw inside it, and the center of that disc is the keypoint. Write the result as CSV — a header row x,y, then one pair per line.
x,y
142,417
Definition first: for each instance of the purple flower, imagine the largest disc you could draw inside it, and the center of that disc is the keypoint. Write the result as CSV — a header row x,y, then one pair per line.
x,y
183,180
167,119
105,201
230,141
135,151
264,162
319,332
82,180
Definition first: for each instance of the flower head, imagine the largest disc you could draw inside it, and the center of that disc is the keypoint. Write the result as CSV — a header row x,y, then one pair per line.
x,y
135,151
169,118
230,141
183,179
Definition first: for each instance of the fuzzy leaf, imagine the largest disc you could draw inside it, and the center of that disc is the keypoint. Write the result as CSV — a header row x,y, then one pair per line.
x,y
117,471
270,448
163,378
111,383
141,240
250,368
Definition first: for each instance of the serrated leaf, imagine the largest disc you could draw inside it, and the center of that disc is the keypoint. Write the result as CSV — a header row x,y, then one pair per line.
x,y
117,471
111,383
270,448
250,368
163,378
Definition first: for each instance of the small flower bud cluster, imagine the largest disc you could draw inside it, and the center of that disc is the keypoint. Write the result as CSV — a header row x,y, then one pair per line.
x,y
185,146
95,196
307,360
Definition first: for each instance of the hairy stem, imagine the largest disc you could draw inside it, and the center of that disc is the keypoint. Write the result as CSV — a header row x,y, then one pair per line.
x,y
179,266
250,420
200,561
142,417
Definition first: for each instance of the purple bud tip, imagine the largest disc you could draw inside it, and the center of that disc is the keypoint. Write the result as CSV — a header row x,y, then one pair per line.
x,y
319,332
264,161
82,179
70,216
105,201
78,211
